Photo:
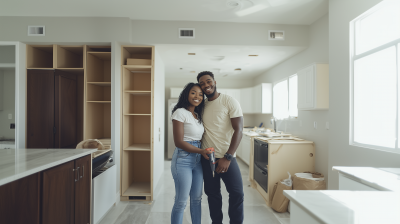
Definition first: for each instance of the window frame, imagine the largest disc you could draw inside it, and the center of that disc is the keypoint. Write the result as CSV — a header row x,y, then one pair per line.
x,y
353,58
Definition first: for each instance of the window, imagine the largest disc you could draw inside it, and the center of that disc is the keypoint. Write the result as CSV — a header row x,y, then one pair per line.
x,y
374,93
285,98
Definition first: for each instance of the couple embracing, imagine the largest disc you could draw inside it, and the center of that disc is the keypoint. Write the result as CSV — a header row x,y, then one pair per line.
x,y
199,124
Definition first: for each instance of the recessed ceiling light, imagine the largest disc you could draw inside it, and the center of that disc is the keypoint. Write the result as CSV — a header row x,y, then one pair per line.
x,y
253,55
238,69
192,71
191,53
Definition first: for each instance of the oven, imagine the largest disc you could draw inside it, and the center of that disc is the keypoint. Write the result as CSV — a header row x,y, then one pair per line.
x,y
260,163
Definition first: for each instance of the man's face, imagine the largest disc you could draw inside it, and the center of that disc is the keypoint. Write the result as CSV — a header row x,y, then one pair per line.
x,y
207,84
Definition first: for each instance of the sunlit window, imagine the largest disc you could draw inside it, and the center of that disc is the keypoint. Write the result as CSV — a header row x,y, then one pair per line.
x,y
285,98
375,41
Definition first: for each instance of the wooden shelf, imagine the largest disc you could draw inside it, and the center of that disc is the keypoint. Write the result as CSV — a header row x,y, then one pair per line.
x,y
137,52
92,48
138,68
98,69
100,83
105,56
133,92
138,189
76,71
138,147
98,101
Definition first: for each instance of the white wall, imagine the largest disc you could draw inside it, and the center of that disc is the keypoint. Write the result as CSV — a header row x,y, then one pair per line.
x,y
341,12
7,54
317,52
216,33
66,29
8,96
159,123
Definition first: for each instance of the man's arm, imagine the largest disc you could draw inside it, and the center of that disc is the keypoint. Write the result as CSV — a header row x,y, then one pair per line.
x,y
237,125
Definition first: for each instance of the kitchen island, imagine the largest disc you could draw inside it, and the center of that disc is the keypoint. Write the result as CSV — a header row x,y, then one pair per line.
x,y
45,185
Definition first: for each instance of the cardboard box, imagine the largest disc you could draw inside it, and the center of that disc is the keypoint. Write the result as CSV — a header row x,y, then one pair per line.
x,y
134,61
307,184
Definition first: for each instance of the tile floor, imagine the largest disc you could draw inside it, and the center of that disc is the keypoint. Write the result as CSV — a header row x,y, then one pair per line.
x,y
159,211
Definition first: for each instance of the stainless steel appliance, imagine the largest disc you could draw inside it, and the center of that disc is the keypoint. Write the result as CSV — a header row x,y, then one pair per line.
x,y
260,163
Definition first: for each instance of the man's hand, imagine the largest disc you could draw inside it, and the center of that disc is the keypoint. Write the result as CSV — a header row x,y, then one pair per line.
x,y
223,165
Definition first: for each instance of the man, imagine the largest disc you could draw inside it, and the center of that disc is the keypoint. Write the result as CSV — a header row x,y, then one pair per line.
x,y
223,124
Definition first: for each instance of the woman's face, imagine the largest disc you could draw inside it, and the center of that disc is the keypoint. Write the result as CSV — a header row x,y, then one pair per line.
x,y
195,96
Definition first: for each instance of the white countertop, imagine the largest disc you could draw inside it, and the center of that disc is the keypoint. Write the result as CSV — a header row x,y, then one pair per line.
x,y
251,133
385,179
349,207
16,164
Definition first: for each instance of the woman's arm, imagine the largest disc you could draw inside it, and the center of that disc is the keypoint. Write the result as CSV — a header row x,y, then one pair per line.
x,y
178,139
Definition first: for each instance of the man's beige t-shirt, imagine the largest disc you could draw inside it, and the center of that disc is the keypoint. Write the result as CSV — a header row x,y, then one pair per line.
x,y
217,123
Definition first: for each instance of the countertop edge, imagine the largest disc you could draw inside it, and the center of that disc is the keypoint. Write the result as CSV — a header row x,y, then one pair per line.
x,y
360,180
44,167
292,199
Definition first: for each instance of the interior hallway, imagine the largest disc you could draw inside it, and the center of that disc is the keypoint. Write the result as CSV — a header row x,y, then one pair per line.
x,y
159,212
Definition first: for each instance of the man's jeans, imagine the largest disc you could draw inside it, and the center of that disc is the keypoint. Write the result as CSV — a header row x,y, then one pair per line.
x,y
234,185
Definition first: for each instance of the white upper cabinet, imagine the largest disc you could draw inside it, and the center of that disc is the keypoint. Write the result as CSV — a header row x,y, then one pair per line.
x,y
313,87
262,98
246,100
235,93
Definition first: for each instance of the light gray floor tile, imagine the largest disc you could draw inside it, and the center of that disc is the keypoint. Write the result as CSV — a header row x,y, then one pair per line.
x,y
159,211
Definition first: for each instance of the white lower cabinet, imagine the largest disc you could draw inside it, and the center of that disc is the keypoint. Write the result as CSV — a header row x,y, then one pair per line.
x,y
104,193
246,146
347,184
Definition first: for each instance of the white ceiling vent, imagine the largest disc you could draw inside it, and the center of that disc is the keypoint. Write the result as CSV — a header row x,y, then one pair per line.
x,y
186,32
276,35
36,31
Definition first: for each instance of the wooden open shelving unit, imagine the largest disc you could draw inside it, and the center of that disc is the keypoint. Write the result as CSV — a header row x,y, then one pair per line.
x,y
137,125
98,94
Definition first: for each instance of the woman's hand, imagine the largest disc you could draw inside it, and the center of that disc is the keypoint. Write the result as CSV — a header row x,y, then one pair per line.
x,y
205,153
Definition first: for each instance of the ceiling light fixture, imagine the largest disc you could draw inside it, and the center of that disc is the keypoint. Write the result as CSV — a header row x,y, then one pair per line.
x,y
238,69
251,10
191,53
253,55
192,71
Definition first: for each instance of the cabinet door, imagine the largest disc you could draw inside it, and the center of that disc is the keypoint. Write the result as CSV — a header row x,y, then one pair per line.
x,y
58,194
65,110
83,167
40,109
246,100
306,79
257,103
20,201
266,99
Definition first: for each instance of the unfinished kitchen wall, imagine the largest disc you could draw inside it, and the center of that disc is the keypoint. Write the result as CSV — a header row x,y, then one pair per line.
x,y
303,125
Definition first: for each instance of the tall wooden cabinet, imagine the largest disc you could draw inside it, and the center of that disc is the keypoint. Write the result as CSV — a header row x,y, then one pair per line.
x,y
137,122
68,95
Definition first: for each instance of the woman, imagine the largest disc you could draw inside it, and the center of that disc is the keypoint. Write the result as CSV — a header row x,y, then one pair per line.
x,y
186,166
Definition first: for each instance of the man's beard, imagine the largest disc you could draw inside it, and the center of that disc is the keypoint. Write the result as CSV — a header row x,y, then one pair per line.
x,y
212,94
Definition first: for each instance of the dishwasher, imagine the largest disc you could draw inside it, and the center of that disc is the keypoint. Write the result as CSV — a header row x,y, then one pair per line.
x,y
260,163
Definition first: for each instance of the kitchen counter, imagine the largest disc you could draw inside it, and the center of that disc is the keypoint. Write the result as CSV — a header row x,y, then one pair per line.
x,y
284,141
16,164
344,207
384,179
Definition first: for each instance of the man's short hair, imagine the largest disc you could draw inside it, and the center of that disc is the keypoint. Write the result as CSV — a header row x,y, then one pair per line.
x,y
204,73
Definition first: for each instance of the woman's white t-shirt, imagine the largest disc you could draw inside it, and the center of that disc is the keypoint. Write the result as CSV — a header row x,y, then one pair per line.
x,y
193,130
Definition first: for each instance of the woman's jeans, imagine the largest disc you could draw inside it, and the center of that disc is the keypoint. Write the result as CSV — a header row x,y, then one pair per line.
x,y
188,176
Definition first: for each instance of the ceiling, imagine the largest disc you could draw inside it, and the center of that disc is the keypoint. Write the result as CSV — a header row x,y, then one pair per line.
x,y
245,11
222,60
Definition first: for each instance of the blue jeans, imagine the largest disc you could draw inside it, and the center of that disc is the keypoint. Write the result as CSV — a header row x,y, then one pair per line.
x,y
234,185
188,177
